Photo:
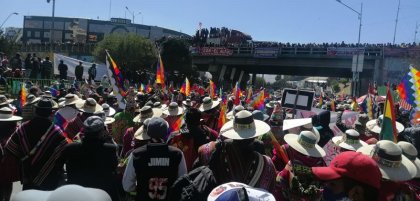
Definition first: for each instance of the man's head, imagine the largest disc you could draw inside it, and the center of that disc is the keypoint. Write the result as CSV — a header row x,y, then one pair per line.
x,y
47,58
61,61
80,63
192,117
94,127
352,173
45,107
157,128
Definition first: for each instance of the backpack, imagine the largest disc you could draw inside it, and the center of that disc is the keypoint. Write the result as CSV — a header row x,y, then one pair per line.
x,y
194,186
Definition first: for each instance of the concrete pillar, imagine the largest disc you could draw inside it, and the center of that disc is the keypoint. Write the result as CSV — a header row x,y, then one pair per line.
x,y
254,77
378,72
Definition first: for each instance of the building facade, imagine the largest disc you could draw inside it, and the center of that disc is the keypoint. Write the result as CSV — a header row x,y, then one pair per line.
x,y
38,29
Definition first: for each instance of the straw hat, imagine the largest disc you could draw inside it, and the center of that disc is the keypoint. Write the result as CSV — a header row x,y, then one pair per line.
x,y
350,141
392,163
271,104
187,103
243,126
374,125
410,151
109,111
305,143
4,100
71,99
6,114
147,112
230,115
208,104
89,106
173,110
46,103
31,99
141,133
109,120
159,105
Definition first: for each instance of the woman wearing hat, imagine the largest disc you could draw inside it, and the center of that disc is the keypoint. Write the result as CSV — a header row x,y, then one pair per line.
x,y
9,166
374,127
350,141
235,159
173,113
395,168
27,109
210,110
302,152
410,152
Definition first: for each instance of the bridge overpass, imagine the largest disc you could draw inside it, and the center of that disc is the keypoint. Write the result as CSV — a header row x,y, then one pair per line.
x,y
233,64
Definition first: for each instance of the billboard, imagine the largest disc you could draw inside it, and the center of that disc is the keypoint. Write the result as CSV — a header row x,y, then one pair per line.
x,y
215,51
265,52
342,51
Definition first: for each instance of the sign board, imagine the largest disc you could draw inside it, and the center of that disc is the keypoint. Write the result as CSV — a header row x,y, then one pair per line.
x,y
265,52
303,100
215,51
341,51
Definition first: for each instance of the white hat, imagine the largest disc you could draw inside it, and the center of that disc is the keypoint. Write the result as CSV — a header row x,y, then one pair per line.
x,y
63,193
147,112
230,192
305,143
187,103
392,163
230,115
89,106
109,111
141,133
350,141
109,120
208,104
173,110
374,125
244,126
6,114
71,99
30,99
410,152
4,100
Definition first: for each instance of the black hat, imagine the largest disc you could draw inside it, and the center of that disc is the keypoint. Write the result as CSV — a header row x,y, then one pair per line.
x,y
46,103
157,128
94,124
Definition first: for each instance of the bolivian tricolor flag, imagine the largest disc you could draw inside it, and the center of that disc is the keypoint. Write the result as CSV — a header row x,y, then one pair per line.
x,y
160,73
388,128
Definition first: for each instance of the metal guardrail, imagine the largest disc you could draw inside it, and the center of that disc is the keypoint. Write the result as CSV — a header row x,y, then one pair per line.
x,y
14,84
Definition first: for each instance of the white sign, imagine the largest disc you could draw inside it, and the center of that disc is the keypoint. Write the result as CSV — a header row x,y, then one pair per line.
x,y
71,63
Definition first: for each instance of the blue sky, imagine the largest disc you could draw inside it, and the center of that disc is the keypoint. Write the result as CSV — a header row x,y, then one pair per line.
x,y
300,21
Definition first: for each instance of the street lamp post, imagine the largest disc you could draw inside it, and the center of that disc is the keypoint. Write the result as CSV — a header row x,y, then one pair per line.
x,y
52,24
134,14
415,31
356,82
7,18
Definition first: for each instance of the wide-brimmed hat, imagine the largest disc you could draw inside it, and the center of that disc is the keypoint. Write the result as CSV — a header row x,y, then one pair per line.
x,y
159,105
230,115
410,151
374,125
271,104
147,112
109,120
244,126
392,163
31,99
109,111
259,115
350,140
46,103
47,94
233,191
71,99
89,106
187,103
305,143
141,133
208,104
6,114
4,100
173,110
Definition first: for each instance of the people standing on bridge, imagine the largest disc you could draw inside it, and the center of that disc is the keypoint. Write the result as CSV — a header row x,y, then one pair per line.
x,y
78,71
153,168
62,68
28,65
47,69
36,67
92,72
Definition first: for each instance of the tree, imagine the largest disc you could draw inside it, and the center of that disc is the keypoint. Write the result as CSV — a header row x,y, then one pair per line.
x,y
259,82
130,51
8,47
176,56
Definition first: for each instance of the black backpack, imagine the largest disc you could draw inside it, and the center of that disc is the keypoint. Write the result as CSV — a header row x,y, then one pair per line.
x,y
194,186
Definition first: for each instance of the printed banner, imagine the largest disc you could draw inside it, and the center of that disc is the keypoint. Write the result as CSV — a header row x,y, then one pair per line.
x,y
265,52
345,50
215,51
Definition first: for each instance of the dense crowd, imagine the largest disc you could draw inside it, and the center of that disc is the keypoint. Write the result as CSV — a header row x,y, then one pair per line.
x,y
86,143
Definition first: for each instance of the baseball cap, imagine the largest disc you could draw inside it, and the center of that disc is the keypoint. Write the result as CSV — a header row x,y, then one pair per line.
x,y
157,128
353,165
234,191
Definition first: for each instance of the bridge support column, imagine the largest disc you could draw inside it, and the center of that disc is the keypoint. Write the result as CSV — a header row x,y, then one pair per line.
x,y
378,74
254,78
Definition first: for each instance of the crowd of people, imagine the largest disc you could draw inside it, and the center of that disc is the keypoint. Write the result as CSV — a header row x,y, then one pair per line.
x,y
85,143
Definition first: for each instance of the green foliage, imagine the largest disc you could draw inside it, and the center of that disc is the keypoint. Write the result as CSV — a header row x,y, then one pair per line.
x,y
130,51
176,56
8,47
259,82
336,88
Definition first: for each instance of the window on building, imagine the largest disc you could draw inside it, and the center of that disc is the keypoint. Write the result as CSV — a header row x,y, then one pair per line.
x,y
37,34
28,34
